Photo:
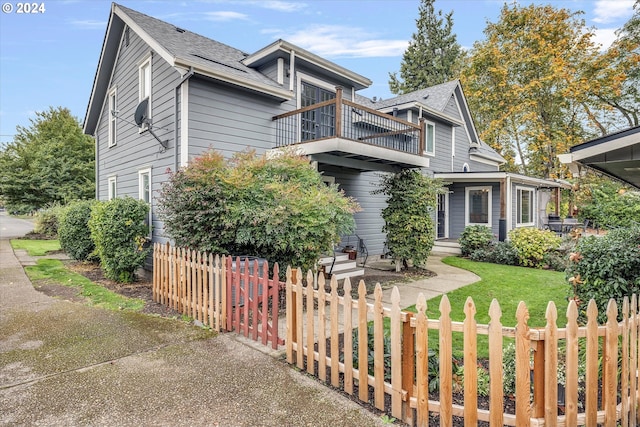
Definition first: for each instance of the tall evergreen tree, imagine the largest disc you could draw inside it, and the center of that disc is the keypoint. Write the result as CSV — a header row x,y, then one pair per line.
x,y
433,55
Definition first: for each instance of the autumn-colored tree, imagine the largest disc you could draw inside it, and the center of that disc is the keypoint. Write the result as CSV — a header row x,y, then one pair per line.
x,y
433,56
527,85
616,80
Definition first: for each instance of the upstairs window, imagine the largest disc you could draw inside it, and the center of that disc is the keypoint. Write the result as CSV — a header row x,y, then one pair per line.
x,y
430,139
144,84
113,110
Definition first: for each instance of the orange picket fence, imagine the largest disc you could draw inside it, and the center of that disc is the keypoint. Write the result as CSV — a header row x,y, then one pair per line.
x,y
329,335
223,293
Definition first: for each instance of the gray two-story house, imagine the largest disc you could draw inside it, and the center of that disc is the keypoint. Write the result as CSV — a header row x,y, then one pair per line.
x,y
163,95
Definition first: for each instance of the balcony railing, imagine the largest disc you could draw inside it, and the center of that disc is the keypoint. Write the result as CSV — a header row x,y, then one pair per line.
x,y
343,119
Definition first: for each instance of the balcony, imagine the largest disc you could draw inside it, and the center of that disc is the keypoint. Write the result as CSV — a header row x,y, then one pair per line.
x,y
347,134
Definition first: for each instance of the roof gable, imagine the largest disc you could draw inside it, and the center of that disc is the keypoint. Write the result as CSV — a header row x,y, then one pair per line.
x,y
181,49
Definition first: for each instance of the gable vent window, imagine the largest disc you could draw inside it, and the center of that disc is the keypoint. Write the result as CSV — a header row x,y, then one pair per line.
x,y
126,37
113,111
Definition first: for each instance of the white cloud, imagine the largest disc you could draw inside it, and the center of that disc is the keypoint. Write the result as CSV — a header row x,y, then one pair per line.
x,y
604,37
609,10
225,16
338,41
282,6
90,24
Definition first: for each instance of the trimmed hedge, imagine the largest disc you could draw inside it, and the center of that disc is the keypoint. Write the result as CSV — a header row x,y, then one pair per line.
x,y
73,230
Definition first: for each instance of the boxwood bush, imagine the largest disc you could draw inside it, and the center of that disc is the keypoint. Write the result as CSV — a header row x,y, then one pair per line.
x,y
605,267
119,232
73,230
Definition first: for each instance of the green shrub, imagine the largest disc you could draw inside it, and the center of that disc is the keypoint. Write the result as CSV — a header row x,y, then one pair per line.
x,y
47,220
555,260
277,208
475,237
410,230
73,230
497,253
607,204
532,244
605,267
119,232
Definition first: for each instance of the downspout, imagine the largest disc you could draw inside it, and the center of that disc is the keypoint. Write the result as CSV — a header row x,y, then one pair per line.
x,y
186,77
509,204
97,167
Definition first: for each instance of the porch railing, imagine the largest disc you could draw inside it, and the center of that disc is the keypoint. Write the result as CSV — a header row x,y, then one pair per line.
x,y
340,118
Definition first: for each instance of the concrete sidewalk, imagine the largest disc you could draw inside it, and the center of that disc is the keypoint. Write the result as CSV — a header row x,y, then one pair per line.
x,y
447,279
64,363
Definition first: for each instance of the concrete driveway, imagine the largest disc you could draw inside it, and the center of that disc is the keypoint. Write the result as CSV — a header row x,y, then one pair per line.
x,y
66,364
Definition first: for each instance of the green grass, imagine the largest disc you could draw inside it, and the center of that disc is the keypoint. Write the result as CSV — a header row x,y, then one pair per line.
x,y
508,285
54,271
36,247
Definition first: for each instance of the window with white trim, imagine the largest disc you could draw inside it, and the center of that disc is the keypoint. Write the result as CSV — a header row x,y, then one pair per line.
x,y
524,206
144,192
112,188
430,139
144,84
113,110
478,206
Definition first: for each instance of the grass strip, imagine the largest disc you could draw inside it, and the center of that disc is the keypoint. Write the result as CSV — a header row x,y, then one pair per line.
x,y
36,247
54,271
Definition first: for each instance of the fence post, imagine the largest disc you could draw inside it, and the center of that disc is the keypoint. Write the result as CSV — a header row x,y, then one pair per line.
x,y
591,386
523,380
610,365
348,336
310,324
571,387
551,366
291,316
496,399
378,348
422,362
408,367
363,344
470,364
446,362
396,355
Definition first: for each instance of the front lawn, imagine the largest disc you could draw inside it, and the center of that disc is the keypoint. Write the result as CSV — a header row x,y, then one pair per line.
x,y
509,285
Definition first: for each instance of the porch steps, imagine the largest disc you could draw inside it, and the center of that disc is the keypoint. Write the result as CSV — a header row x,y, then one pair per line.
x,y
343,266
447,247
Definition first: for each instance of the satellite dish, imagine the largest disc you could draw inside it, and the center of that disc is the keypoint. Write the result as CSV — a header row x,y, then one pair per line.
x,y
141,113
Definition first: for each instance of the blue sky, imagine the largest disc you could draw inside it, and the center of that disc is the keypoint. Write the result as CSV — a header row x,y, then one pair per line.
x,y
50,59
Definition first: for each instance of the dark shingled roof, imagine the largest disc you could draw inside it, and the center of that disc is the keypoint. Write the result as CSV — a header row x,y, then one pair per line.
x,y
208,53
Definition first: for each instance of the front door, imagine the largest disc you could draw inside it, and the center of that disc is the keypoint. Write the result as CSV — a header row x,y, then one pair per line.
x,y
321,122
442,216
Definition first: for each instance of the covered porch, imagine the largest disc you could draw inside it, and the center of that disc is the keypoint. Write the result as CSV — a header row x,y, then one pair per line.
x,y
501,201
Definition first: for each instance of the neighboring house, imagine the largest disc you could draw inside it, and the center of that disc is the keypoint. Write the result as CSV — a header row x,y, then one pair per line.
x,y
616,155
188,93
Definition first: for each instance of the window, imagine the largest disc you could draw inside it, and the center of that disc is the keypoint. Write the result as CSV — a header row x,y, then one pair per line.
x,y
112,188
144,193
113,111
144,84
430,139
524,206
478,206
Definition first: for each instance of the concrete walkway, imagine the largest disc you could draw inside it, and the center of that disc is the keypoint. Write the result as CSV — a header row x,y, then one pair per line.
x,y
447,279
64,364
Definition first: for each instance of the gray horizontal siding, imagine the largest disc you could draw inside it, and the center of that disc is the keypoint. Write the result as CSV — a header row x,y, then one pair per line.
x,y
228,120
135,151
369,221
457,207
